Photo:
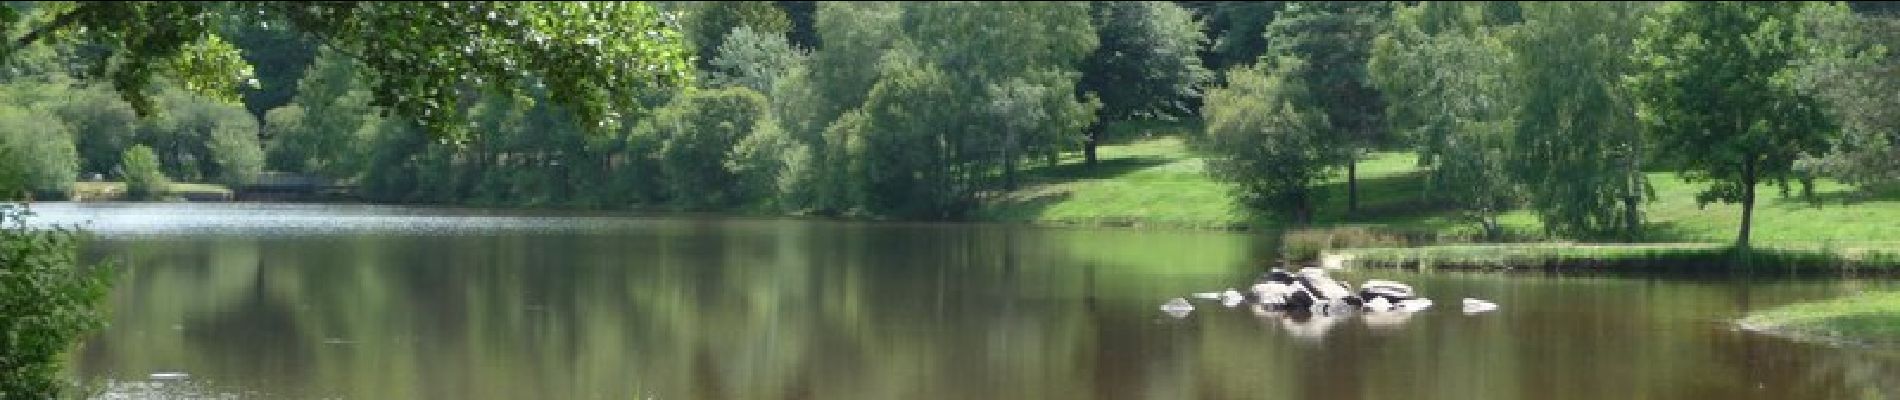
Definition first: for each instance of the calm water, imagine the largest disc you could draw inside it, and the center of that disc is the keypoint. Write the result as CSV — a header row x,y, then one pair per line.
x,y
368,302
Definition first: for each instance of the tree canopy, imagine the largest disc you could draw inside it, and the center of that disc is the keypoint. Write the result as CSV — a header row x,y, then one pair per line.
x,y
599,55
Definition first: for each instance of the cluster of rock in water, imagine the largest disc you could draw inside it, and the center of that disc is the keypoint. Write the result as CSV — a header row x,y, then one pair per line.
x,y
1310,290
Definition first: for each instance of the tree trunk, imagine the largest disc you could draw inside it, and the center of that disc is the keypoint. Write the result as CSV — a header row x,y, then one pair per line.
x,y
1352,185
1748,202
1088,143
1302,211
1009,160
1632,223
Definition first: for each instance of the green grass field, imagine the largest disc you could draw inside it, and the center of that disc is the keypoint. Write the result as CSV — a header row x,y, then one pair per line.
x,y
1156,181
1871,317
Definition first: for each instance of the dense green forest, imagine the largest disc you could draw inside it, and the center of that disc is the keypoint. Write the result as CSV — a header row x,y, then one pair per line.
x,y
922,110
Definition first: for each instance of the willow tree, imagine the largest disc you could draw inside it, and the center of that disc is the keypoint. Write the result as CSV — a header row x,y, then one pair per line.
x,y
1717,91
1577,146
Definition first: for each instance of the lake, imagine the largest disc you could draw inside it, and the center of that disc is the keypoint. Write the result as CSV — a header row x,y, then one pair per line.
x,y
285,301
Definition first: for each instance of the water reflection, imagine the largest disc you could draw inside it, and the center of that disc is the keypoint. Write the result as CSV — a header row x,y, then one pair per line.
x,y
761,309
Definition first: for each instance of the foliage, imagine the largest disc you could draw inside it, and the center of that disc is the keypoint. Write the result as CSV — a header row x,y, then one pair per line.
x,y
144,178
1451,91
904,162
1268,134
1862,93
1577,147
278,54
50,302
186,138
235,150
599,55
103,125
1237,30
43,150
698,134
1335,40
1147,65
754,60
1716,91
318,132
708,23
773,169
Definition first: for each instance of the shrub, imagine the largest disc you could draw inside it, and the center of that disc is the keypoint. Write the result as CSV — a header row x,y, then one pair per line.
x,y
50,303
143,177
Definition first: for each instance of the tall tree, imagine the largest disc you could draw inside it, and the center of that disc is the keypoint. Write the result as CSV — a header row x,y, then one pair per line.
x,y
755,60
1334,39
1716,90
708,22
331,105
1450,89
1577,145
1863,93
1236,30
1147,65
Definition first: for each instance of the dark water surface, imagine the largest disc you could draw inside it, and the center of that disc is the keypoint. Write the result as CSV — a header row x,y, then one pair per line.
x,y
372,302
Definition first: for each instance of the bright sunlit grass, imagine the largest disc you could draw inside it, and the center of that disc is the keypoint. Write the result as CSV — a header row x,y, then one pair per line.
x,y
1868,316
1156,180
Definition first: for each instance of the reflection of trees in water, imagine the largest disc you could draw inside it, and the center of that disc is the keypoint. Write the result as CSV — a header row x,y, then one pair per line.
x,y
774,309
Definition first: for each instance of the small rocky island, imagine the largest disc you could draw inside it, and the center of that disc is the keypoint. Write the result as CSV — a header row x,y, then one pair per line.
x,y
1311,292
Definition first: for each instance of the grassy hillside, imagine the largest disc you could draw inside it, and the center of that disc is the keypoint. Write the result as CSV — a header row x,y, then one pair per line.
x,y
1156,181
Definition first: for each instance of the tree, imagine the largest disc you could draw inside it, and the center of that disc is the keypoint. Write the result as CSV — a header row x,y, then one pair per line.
x,y
708,22
49,302
321,137
698,134
278,54
903,160
599,55
1334,39
1268,135
978,45
143,177
1577,146
1146,66
186,136
43,149
1236,30
1860,92
1716,91
102,126
754,60
1445,72
235,150
803,16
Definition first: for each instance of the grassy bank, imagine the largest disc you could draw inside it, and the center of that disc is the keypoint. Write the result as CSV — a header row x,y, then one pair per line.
x,y
1867,318
1635,257
115,191
1155,180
